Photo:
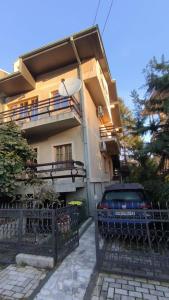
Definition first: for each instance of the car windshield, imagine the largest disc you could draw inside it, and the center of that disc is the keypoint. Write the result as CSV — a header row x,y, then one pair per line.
x,y
125,195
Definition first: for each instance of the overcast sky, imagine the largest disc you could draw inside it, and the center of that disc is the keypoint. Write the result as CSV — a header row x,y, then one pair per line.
x,y
136,31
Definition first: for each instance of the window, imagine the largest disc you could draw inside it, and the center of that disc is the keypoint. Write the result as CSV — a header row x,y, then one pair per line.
x,y
124,195
63,152
59,101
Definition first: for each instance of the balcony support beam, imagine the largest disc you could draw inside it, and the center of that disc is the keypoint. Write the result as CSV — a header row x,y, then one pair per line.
x,y
25,73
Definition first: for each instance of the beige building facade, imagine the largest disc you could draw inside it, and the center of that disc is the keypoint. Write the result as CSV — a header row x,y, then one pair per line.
x,y
75,137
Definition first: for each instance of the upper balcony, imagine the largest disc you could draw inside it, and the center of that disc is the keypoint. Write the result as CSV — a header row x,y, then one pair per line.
x,y
46,116
109,140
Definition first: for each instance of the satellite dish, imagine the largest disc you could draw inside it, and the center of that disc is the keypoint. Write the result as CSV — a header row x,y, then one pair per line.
x,y
70,86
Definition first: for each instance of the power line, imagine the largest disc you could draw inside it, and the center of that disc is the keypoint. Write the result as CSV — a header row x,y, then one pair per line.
x,y
104,27
97,9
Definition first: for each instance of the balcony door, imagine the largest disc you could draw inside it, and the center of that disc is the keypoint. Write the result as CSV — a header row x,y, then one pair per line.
x,y
24,110
34,109
63,154
29,108
59,101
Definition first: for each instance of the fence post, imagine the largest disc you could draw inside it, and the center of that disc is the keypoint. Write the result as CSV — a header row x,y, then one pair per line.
x,y
148,230
98,256
54,235
20,228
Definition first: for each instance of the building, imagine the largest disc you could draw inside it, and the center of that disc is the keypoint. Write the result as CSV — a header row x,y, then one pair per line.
x,y
75,138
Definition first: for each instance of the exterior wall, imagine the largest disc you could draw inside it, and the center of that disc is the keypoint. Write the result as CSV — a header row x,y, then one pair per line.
x,y
97,161
45,84
100,166
46,146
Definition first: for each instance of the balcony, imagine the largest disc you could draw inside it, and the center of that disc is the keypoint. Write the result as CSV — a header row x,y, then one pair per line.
x,y
46,116
109,140
61,169
66,176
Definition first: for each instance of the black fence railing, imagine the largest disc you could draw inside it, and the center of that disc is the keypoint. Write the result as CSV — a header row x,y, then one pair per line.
x,y
47,232
32,112
133,242
59,169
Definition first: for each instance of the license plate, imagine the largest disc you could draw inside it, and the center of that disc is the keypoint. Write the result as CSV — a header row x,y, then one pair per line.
x,y
126,213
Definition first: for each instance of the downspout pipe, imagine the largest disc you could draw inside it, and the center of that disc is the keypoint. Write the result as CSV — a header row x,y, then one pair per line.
x,y
85,135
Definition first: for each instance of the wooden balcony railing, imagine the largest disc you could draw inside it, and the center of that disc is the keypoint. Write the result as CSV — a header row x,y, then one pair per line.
x,y
45,107
61,169
107,131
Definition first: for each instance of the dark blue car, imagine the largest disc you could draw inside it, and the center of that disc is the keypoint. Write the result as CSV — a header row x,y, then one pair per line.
x,y
124,206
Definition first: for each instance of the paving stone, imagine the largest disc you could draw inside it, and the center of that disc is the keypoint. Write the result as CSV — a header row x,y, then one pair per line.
x,y
121,291
117,297
149,297
15,282
135,283
115,285
157,293
142,290
105,286
110,293
122,281
18,296
162,288
135,294
148,286
109,279
17,289
95,298
128,287
7,292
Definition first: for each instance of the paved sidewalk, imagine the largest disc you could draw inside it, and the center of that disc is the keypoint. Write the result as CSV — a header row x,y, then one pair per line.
x,y
127,288
70,280
19,282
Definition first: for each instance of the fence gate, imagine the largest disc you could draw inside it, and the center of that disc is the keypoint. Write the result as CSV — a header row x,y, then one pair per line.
x,y
46,232
133,242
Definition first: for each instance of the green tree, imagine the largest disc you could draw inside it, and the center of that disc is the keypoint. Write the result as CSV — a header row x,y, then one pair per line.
x,y
14,154
129,141
152,112
152,119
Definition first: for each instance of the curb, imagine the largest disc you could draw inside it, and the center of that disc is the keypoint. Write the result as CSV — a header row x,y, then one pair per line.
x,y
85,226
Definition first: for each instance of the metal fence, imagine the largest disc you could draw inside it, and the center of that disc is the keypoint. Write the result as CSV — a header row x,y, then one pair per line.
x,y
133,242
48,232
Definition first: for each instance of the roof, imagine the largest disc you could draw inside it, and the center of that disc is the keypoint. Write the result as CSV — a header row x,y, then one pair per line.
x,y
57,55
88,43
124,186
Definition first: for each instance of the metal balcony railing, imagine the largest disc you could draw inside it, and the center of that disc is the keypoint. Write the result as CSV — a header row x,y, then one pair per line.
x,y
107,131
32,112
59,169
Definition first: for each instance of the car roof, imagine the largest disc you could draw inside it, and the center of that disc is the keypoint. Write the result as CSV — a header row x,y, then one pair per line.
x,y
124,186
